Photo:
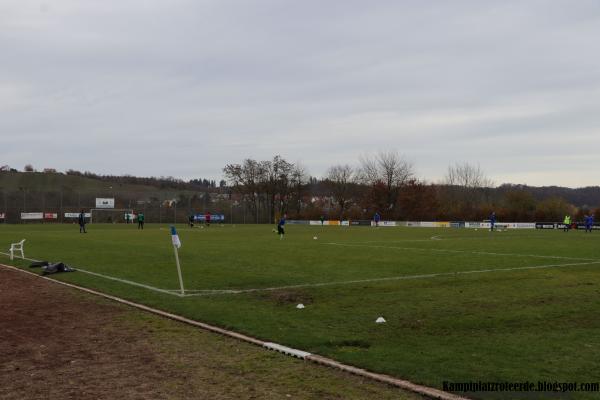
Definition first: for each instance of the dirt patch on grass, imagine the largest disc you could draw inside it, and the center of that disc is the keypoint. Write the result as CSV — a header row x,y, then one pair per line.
x,y
58,343
357,343
287,296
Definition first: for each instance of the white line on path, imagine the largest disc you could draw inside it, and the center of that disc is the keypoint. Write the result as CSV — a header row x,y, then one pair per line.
x,y
112,278
426,391
391,278
208,292
459,251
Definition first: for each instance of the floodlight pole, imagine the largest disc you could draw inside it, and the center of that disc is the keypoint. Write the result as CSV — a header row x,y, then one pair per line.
x,y
179,270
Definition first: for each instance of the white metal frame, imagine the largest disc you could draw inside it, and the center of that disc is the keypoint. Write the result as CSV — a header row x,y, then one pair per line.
x,y
16,247
123,210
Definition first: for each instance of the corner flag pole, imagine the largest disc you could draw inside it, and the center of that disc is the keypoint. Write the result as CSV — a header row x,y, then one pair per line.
x,y
176,246
179,270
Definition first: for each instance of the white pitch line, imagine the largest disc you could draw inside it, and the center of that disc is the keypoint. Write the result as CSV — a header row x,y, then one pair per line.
x,y
391,278
112,278
128,282
403,240
461,251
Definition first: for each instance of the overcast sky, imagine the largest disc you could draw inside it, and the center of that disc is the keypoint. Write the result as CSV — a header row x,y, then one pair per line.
x,y
181,88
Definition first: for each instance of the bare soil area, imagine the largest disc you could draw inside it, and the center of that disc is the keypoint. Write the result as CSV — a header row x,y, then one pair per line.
x,y
59,343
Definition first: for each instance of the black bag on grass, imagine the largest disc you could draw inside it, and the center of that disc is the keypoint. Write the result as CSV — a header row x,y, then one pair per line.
x,y
39,264
56,267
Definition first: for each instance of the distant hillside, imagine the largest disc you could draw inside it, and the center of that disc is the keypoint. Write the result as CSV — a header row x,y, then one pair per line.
x,y
47,182
52,192
89,182
580,197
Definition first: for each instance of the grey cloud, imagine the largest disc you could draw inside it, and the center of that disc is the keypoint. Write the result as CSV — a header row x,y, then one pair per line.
x,y
183,87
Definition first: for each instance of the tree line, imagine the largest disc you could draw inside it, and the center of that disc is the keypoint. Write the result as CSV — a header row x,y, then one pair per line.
x,y
387,183
384,182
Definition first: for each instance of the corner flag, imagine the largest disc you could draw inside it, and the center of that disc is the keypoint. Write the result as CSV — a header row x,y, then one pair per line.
x,y
175,238
176,245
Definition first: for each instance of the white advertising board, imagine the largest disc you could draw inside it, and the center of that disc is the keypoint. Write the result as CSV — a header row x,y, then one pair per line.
x,y
384,223
76,215
105,203
480,225
32,215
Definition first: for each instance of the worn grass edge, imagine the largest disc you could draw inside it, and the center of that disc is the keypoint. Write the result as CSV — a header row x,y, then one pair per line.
x,y
315,358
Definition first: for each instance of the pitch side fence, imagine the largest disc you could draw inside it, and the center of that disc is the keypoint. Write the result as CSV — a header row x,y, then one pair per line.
x,y
56,206
444,224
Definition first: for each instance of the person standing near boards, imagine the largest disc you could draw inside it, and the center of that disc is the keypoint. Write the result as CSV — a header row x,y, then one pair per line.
x,y
141,219
567,223
377,218
81,220
589,223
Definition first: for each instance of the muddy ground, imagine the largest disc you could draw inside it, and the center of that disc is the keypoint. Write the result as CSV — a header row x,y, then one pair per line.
x,y
59,343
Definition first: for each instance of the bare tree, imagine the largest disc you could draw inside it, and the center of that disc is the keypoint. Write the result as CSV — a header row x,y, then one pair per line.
x,y
387,168
277,184
340,179
466,175
268,183
246,179
467,189
299,179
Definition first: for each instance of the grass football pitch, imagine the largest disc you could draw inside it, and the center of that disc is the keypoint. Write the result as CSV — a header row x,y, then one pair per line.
x,y
460,305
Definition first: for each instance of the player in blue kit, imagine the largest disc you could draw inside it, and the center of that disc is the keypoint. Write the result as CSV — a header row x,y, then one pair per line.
x,y
280,226
589,223
377,218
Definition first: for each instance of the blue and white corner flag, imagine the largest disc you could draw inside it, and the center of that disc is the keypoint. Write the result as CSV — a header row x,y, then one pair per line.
x,y
175,238
176,245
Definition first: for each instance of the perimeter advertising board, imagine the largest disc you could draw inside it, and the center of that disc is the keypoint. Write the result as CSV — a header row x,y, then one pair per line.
x,y
105,202
213,217
545,225
76,215
32,215
360,222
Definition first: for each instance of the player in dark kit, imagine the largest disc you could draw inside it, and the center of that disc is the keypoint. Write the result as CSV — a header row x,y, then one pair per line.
x,y
81,220
280,227
589,223
492,221
377,218
207,219
141,219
